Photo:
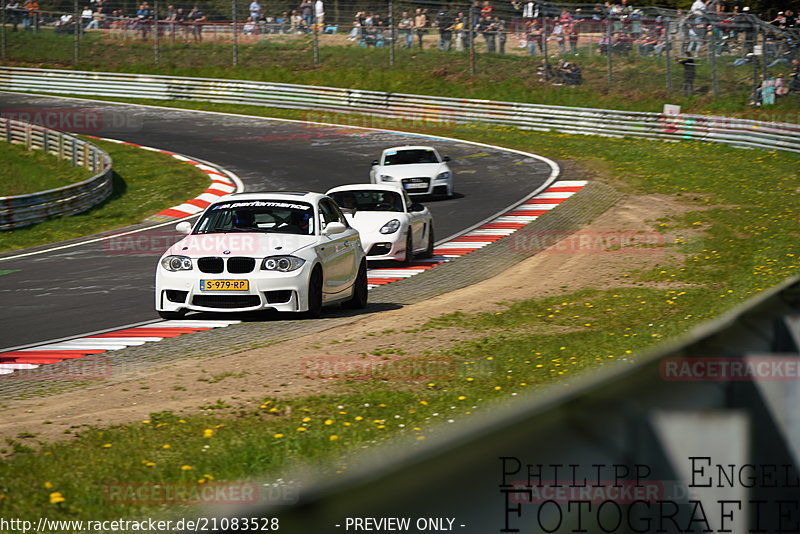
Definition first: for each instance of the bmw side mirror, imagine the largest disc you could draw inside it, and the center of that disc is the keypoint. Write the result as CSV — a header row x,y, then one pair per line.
x,y
446,158
184,227
374,162
334,228
416,207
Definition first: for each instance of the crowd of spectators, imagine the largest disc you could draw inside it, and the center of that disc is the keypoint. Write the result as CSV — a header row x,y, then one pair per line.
x,y
614,27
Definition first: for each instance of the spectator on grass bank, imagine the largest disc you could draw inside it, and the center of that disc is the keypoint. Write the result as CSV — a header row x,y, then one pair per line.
x,y
502,34
86,16
250,27
296,22
485,27
196,18
30,19
319,14
98,20
573,34
420,25
559,37
405,28
698,11
696,32
444,23
255,11
689,66
358,26
533,38
568,73
306,9
13,12
458,31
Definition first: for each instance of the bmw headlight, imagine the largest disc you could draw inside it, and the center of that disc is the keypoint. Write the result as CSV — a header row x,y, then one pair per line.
x,y
176,263
444,175
283,264
387,178
390,227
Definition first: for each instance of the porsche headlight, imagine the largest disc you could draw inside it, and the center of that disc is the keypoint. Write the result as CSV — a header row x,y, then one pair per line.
x,y
283,264
176,263
390,227
387,178
444,175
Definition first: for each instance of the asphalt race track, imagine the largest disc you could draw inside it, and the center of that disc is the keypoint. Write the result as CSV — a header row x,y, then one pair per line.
x,y
92,287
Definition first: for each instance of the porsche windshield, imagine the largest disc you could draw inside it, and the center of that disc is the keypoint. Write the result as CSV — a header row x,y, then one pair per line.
x,y
265,216
368,200
406,157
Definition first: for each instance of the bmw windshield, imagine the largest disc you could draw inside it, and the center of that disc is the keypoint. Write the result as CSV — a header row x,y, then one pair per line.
x,y
261,216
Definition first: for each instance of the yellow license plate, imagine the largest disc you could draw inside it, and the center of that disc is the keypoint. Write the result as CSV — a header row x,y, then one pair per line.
x,y
224,285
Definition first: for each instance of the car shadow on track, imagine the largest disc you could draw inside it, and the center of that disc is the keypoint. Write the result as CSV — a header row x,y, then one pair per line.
x,y
263,316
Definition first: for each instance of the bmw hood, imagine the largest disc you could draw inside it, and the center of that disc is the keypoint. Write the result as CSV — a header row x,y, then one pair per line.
x,y
257,245
416,170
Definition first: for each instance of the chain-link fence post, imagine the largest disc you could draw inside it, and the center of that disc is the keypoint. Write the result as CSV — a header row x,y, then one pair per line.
x,y
764,53
76,21
234,8
3,29
392,33
609,61
471,30
668,52
315,41
156,35
543,25
712,55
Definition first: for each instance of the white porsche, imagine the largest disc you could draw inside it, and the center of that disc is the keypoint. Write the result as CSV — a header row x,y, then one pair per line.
x,y
390,225
292,252
419,170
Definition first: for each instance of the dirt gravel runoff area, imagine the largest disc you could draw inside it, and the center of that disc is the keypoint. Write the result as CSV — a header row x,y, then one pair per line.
x,y
224,365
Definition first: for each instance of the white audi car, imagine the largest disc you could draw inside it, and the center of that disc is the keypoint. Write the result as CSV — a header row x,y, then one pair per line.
x,y
419,170
391,226
291,252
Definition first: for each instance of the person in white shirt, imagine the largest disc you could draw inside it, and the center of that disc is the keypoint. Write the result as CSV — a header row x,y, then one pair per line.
x,y
319,13
699,11
255,10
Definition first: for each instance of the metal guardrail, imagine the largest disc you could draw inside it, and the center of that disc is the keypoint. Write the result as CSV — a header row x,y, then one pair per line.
x,y
24,210
573,120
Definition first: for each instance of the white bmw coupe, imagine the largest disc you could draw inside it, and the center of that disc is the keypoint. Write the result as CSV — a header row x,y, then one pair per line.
x,y
391,226
292,252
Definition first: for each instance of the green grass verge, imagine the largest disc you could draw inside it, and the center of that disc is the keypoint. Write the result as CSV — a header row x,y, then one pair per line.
x,y
145,183
640,83
30,171
745,208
